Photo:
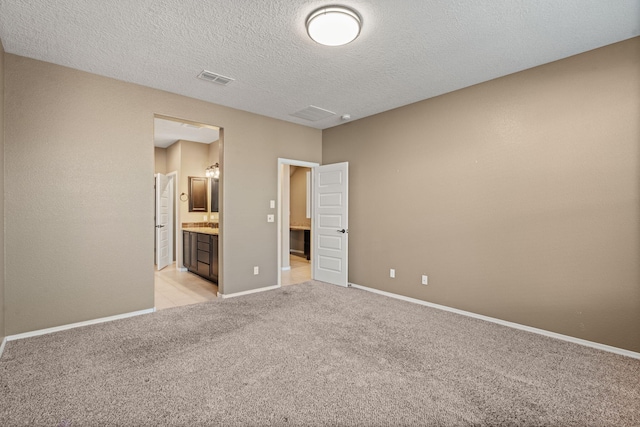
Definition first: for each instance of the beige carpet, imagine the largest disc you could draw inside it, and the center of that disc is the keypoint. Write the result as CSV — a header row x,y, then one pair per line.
x,y
312,354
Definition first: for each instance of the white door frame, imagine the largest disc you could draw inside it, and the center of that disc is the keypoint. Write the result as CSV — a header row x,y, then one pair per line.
x,y
289,162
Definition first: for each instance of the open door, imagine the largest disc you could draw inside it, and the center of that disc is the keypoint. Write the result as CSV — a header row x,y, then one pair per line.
x,y
164,221
331,223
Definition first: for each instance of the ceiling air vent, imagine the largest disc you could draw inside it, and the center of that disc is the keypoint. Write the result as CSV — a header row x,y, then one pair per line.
x,y
313,114
214,78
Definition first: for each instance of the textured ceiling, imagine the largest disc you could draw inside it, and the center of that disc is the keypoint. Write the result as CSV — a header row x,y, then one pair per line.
x,y
408,50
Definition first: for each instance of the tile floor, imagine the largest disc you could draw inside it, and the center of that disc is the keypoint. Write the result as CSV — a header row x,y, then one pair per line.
x,y
300,271
174,288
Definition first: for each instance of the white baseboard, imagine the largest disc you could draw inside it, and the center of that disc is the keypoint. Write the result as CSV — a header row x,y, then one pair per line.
x,y
77,325
252,291
286,268
4,342
183,269
555,335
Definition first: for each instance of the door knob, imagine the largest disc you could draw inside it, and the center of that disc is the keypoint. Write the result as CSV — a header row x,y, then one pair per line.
x,y
342,231
159,225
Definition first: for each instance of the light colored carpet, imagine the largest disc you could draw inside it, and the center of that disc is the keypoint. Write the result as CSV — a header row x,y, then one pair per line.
x,y
312,354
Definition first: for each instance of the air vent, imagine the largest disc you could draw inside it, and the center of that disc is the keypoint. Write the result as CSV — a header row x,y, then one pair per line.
x,y
313,114
214,78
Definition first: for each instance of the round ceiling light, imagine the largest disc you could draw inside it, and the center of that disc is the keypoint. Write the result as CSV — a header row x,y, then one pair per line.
x,y
334,25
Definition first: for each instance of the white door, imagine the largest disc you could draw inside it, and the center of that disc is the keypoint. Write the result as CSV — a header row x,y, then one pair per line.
x,y
331,223
164,221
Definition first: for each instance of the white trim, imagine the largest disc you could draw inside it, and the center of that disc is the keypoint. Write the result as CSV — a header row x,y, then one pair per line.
x,y
252,291
4,342
183,269
550,334
286,268
78,324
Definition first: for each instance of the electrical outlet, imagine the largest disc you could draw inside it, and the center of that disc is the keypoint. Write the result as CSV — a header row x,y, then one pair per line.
x,y
256,270
392,273
205,218
425,280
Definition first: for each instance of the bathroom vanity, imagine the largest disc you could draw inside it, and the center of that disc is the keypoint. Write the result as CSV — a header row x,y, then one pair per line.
x,y
200,251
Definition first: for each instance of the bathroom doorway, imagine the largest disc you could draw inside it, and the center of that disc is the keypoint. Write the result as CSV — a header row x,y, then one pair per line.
x,y
185,149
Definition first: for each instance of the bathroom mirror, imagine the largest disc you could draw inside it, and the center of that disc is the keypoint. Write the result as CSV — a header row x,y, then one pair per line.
x,y
215,189
198,194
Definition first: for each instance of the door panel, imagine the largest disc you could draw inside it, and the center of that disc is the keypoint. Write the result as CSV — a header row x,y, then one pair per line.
x,y
331,223
164,224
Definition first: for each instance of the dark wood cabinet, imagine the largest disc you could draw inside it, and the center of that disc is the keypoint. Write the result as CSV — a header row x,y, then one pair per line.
x,y
200,254
198,194
186,249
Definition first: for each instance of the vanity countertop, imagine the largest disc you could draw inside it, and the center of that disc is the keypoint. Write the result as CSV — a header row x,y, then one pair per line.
x,y
203,230
300,227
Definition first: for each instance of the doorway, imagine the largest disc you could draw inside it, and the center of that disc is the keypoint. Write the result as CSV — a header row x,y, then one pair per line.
x,y
184,149
294,223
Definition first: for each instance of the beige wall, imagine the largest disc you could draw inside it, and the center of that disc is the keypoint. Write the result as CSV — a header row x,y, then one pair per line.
x,y
214,152
298,207
79,210
2,328
160,159
518,197
214,157
194,159
173,158
298,203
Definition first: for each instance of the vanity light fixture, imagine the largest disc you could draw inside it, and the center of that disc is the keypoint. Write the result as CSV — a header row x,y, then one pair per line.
x,y
334,25
213,171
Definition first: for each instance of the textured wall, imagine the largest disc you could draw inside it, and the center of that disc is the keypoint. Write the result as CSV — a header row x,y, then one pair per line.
x,y
79,206
2,329
518,197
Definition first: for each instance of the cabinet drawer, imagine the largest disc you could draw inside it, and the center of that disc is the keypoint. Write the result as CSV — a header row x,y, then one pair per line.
x,y
203,257
204,247
203,269
203,238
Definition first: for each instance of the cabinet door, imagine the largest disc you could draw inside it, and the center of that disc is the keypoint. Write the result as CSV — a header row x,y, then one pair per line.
x,y
197,194
193,248
214,258
186,249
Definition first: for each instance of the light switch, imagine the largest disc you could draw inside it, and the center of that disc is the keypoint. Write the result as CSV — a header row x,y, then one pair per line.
x,y
270,218
272,204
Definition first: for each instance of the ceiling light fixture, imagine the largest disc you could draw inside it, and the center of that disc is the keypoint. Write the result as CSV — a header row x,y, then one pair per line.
x,y
334,25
